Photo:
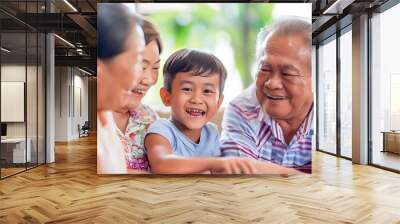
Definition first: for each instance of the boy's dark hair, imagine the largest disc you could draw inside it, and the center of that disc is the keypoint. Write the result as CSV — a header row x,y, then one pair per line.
x,y
197,62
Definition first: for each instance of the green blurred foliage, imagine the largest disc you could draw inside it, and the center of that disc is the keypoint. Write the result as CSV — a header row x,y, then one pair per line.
x,y
201,25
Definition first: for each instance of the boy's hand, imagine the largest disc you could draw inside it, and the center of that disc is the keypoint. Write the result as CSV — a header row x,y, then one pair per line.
x,y
264,167
233,165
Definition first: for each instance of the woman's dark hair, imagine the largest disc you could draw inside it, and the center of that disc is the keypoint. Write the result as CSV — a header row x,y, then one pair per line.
x,y
115,22
197,62
151,33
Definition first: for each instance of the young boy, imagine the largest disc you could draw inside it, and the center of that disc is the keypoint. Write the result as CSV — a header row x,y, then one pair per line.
x,y
188,143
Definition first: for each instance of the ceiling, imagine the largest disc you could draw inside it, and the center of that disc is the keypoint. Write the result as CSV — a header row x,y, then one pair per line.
x,y
76,25
332,15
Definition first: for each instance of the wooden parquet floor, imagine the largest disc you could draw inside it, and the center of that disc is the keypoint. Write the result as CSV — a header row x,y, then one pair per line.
x,y
70,191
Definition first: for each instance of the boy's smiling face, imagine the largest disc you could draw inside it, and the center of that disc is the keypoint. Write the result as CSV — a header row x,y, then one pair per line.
x,y
194,99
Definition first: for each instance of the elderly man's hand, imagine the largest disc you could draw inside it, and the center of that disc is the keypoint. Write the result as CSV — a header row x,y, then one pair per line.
x,y
240,165
233,165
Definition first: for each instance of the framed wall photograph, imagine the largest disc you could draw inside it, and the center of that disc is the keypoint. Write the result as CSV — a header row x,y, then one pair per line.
x,y
210,88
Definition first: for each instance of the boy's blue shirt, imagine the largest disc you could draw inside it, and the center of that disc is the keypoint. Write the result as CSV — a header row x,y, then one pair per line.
x,y
182,145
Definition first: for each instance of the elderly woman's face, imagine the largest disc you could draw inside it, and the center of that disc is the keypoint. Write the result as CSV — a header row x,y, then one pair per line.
x,y
284,87
120,75
149,74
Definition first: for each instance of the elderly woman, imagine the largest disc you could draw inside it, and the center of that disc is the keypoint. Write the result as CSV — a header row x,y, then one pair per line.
x,y
119,49
272,121
134,118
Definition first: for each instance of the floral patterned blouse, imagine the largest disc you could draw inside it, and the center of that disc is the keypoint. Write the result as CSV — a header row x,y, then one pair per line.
x,y
133,139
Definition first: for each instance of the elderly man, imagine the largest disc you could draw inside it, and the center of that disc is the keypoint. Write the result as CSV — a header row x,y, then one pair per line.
x,y
272,121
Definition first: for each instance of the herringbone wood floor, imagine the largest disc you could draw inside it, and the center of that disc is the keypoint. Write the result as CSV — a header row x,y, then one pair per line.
x,y
70,191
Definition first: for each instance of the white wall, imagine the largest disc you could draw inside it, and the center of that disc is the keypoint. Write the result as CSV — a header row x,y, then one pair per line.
x,y
71,93
61,103
80,84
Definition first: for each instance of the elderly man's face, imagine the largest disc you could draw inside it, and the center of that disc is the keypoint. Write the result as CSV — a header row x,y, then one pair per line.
x,y
284,78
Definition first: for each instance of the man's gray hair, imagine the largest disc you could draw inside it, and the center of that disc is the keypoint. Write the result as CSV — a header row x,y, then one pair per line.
x,y
287,26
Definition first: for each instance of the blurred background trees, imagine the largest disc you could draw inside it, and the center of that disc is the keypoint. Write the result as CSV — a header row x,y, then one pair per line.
x,y
227,30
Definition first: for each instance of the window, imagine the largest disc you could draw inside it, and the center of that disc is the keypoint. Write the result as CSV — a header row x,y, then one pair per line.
x,y
346,93
22,75
327,96
385,87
